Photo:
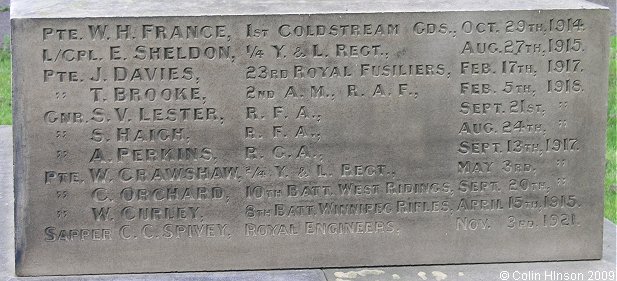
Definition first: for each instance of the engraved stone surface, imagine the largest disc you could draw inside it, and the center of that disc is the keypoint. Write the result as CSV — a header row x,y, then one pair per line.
x,y
160,137
603,269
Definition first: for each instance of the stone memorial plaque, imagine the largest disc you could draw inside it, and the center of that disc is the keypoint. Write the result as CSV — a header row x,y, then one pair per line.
x,y
154,136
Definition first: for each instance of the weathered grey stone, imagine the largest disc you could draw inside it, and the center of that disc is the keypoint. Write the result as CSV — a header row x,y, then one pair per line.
x,y
469,272
166,137
603,269
612,5
7,245
92,8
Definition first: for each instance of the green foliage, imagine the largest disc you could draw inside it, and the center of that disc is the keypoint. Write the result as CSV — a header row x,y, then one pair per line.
x,y
6,117
6,43
610,183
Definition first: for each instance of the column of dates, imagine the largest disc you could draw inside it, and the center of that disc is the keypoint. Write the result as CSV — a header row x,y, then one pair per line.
x,y
514,92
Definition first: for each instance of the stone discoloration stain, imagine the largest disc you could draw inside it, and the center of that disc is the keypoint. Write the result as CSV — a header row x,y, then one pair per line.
x,y
356,274
439,275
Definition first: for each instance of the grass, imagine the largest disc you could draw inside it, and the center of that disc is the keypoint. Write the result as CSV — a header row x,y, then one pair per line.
x,y
610,184
6,117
